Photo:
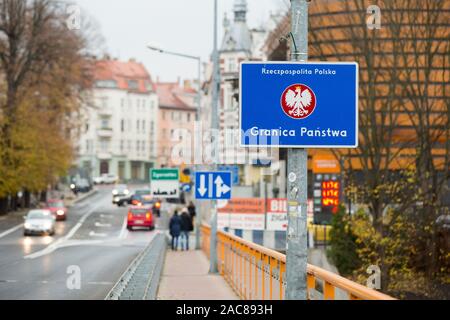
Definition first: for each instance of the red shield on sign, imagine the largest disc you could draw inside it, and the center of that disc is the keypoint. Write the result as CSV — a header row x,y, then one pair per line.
x,y
298,101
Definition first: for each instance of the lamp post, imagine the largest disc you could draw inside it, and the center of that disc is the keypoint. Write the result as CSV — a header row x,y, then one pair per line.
x,y
197,119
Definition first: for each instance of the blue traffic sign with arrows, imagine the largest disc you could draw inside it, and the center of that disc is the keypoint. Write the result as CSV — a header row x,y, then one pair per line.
x,y
213,185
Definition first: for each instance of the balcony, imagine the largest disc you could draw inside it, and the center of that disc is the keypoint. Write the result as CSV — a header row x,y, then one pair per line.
x,y
108,112
104,155
105,132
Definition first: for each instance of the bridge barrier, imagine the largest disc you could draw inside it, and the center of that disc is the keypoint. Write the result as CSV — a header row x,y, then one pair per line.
x,y
258,273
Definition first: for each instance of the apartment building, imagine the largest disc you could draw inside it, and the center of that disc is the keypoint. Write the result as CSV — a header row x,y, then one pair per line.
x,y
120,122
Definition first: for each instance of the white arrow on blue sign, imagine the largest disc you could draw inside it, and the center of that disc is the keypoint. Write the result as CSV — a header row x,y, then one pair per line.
x,y
213,185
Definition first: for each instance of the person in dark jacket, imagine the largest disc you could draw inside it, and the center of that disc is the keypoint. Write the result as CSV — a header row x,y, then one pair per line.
x,y
192,213
191,209
175,229
186,227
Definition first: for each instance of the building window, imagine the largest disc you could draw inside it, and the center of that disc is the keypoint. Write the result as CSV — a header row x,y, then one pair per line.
x,y
133,84
106,84
188,117
137,126
143,146
122,125
122,102
232,66
104,145
105,123
104,102
143,126
138,144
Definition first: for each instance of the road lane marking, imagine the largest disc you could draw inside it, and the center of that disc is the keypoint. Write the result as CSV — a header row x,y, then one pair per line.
x,y
123,231
103,225
58,243
100,235
4,234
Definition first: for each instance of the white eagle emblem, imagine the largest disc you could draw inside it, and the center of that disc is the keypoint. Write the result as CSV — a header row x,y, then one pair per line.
x,y
297,101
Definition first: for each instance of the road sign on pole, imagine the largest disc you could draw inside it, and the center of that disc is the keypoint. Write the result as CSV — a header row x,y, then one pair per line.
x,y
234,173
311,105
213,185
165,183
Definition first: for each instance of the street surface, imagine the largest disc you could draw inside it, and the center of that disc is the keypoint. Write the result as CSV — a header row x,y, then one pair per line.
x,y
94,239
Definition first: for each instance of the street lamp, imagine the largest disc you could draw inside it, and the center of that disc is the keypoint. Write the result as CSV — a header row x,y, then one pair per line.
x,y
197,118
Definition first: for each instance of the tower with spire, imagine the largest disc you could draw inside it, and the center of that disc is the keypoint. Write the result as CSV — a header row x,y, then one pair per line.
x,y
238,44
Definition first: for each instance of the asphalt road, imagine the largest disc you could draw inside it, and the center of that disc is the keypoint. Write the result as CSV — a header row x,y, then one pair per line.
x,y
91,249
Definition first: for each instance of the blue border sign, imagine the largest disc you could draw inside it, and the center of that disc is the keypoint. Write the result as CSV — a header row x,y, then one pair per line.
x,y
299,104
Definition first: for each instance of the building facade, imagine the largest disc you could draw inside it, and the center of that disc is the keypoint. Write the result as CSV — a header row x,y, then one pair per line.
x,y
240,42
119,131
177,111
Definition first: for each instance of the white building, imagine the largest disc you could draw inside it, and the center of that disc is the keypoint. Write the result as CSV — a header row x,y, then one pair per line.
x,y
120,128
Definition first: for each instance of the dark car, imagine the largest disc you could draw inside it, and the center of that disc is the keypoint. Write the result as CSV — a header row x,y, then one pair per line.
x,y
81,185
142,197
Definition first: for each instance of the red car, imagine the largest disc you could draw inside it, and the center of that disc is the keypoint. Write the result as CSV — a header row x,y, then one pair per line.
x,y
58,209
140,216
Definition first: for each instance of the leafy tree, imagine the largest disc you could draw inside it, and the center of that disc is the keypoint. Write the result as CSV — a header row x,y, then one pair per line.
x,y
343,244
42,72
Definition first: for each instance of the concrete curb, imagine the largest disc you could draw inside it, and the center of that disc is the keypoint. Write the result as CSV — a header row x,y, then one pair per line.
x,y
82,197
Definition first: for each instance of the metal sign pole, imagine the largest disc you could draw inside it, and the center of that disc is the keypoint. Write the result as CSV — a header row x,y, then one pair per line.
x,y
297,182
198,218
215,127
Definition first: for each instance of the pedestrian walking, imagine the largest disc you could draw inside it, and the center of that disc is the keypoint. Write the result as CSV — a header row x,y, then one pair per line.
x,y
175,229
192,213
186,227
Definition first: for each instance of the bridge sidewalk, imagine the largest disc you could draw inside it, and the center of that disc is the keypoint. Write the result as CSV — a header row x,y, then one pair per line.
x,y
185,277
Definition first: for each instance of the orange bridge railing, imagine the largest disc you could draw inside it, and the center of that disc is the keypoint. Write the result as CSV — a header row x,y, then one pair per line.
x,y
258,273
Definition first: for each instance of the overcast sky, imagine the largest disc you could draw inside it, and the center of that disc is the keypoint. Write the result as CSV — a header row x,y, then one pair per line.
x,y
177,25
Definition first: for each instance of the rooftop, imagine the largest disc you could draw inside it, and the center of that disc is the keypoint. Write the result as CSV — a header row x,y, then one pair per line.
x,y
172,95
130,75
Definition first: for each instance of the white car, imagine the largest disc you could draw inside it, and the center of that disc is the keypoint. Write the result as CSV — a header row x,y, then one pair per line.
x,y
110,178
39,222
106,178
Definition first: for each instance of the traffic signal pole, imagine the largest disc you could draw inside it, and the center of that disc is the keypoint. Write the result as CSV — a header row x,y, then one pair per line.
x,y
297,175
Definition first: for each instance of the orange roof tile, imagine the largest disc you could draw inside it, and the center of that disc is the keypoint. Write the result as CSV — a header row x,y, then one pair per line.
x,y
169,94
122,73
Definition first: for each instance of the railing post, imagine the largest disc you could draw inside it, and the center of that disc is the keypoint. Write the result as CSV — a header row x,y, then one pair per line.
x,y
311,282
282,271
328,291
